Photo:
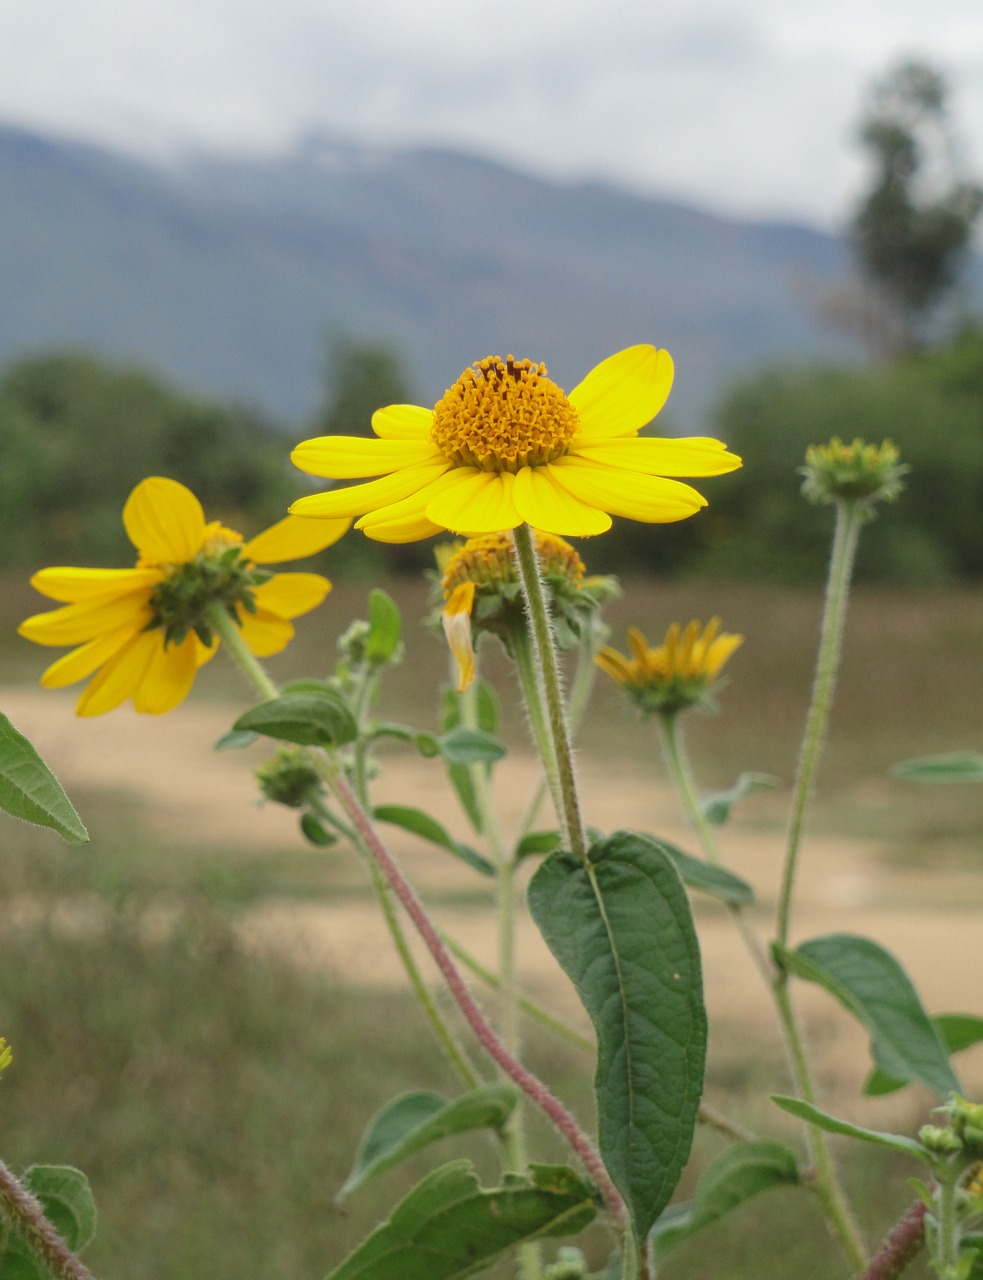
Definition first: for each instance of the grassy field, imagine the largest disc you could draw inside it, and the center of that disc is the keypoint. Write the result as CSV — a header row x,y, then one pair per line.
x,y
215,1097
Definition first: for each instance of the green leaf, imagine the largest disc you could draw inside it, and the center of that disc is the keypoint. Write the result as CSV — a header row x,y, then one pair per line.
x,y
716,808
233,741
869,982
630,949
310,718
314,830
956,766
415,1120
536,843
426,744
67,1201
68,1205
741,1172
957,1031
470,746
812,1115
450,1227
384,628
29,790
707,878
421,824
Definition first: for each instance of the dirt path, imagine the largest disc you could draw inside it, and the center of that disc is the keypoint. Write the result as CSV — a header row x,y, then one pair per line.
x,y
932,923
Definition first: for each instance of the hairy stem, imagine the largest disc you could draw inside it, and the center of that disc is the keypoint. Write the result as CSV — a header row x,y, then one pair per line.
x,y
566,796
527,1082
24,1212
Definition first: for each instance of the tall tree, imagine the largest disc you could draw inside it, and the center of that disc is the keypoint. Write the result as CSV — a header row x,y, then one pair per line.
x,y
912,230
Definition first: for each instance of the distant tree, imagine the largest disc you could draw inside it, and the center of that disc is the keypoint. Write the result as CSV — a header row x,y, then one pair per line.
x,y
77,434
360,377
913,227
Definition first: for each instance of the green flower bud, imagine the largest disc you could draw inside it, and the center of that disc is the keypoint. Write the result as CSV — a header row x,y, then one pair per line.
x,y
868,473
289,778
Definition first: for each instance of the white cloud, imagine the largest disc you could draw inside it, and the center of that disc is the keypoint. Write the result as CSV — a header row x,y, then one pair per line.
x,y
749,106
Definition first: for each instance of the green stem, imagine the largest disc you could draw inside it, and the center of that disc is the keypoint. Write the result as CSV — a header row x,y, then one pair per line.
x,y
254,672
566,797
948,1235
826,1184
849,521
681,773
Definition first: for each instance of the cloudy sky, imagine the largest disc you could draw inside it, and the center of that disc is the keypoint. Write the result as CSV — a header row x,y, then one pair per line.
x,y
744,106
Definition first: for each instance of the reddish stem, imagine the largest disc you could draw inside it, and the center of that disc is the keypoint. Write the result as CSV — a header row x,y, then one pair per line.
x,y
531,1085
899,1246
25,1213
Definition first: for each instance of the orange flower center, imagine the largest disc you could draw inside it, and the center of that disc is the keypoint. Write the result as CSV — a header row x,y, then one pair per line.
x,y
502,415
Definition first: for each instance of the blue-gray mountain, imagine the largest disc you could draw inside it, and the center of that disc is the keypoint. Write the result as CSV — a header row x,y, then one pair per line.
x,y
230,273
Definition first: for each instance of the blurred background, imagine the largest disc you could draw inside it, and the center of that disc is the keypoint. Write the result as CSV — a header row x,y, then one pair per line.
x,y
225,230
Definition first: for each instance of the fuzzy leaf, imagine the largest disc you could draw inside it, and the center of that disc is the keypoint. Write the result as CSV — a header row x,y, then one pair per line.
x,y
812,1115
957,1031
30,791
449,1227
311,718
415,1120
742,1171
384,628
955,766
707,878
421,824
630,949
869,982
716,808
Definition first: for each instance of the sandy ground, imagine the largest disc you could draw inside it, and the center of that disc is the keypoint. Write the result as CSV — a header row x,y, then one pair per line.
x,y
932,923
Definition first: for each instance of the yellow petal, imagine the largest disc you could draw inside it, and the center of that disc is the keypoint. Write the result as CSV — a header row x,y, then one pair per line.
x,y
265,633
164,520
168,678
73,585
120,677
456,621
407,521
352,457
294,538
623,393
639,646
76,623
80,663
205,652
651,499
655,456
291,594
552,508
479,502
358,499
613,663
402,422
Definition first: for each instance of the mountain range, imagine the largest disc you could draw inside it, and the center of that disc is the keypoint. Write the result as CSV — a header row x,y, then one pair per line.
x,y
229,273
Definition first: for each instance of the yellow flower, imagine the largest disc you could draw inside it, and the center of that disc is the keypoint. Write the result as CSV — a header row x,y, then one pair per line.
x,y
675,675
6,1057
505,446
143,632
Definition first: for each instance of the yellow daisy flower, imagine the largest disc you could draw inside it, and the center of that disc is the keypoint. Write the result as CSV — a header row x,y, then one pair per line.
x,y
675,674
505,446
142,633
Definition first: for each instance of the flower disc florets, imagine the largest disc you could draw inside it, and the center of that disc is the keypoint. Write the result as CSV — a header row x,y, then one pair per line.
x,y
862,472
502,415
218,574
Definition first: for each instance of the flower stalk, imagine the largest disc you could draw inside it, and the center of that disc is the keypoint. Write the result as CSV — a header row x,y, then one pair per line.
x,y
565,792
24,1212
